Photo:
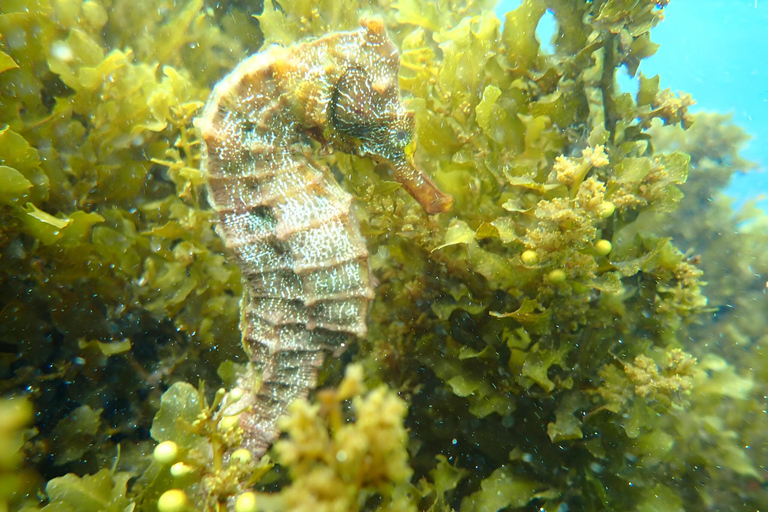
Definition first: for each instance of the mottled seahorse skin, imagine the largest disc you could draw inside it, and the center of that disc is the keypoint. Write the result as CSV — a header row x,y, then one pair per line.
x,y
283,216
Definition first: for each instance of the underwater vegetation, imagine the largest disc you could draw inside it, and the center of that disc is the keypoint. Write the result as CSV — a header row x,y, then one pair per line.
x,y
584,330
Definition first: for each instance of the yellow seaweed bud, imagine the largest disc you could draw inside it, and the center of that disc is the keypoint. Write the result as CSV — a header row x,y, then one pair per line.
x,y
95,14
236,394
529,257
228,423
14,414
241,456
180,470
603,247
580,287
557,276
246,502
166,452
353,382
173,500
606,209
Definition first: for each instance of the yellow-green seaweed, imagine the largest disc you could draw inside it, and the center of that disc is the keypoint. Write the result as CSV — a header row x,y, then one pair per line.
x,y
539,371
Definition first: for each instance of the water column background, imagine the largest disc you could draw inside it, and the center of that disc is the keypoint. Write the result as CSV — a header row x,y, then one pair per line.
x,y
716,50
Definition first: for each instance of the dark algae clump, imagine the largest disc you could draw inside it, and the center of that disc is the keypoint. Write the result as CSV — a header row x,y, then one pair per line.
x,y
584,330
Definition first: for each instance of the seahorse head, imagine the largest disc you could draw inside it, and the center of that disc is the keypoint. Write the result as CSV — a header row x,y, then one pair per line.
x,y
368,118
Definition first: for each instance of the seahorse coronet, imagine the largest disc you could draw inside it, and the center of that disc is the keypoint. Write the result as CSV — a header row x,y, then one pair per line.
x,y
287,223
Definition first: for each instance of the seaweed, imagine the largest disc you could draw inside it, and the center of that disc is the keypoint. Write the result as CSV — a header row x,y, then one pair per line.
x,y
585,330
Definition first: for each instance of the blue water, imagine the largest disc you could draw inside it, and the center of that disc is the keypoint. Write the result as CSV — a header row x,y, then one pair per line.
x,y
716,50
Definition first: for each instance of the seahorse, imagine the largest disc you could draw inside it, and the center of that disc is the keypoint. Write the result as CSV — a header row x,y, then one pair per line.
x,y
283,216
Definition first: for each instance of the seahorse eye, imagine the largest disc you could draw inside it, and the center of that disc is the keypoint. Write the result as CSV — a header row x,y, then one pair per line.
x,y
402,138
